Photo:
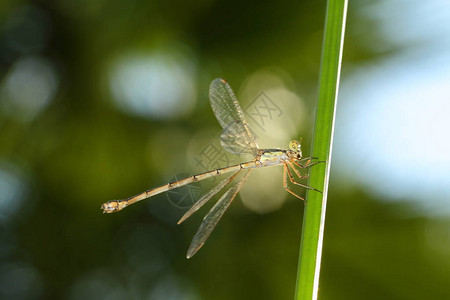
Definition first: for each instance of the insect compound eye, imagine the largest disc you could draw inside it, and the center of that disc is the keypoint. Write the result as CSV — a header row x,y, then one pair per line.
x,y
294,145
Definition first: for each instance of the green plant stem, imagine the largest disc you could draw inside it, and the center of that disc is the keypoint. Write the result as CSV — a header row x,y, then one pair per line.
x,y
314,215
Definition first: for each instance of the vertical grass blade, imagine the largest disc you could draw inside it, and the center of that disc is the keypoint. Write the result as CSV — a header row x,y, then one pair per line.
x,y
314,216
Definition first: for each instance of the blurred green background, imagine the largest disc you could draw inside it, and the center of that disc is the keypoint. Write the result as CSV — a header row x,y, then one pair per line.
x,y
101,100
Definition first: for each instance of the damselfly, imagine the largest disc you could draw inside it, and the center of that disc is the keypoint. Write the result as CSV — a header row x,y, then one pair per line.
x,y
236,138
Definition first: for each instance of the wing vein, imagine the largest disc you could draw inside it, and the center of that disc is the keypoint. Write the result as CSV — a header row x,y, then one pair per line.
x,y
213,216
236,137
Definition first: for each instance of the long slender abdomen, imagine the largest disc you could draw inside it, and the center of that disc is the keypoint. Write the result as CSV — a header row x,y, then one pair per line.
x,y
117,205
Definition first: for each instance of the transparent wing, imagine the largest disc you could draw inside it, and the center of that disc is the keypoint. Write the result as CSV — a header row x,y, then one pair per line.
x,y
236,136
213,216
205,198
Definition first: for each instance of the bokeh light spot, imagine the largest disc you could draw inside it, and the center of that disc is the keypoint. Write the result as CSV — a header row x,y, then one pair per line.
x,y
28,88
156,85
13,189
